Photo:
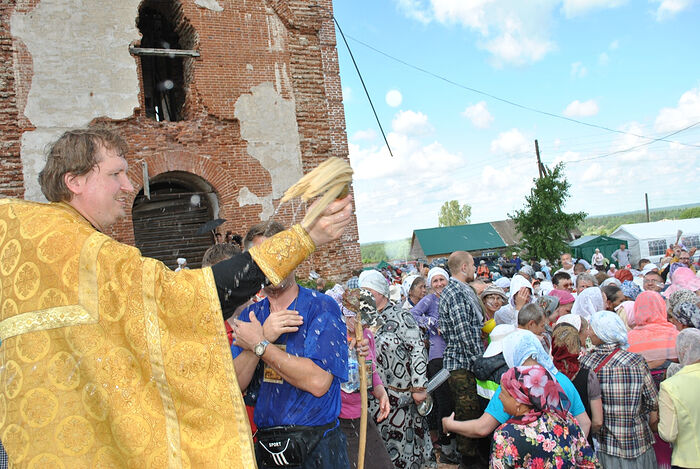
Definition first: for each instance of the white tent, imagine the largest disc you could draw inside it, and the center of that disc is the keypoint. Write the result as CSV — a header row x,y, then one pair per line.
x,y
650,240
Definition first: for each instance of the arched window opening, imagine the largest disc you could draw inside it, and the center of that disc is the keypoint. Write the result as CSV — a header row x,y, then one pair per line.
x,y
164,51
165,226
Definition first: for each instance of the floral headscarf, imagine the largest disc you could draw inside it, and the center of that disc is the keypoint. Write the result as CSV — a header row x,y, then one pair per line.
x,y
681,296
548,303
534,387
588,302
652,335
687,314
630,289
565,338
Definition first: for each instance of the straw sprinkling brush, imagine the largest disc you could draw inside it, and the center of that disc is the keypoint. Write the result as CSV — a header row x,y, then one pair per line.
x,y
330,180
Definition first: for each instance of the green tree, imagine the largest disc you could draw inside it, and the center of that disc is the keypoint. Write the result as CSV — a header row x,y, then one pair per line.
x,y
693,212
542,222
452,214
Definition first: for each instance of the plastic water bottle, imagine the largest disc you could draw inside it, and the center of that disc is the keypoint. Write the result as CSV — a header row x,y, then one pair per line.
x,y
353,382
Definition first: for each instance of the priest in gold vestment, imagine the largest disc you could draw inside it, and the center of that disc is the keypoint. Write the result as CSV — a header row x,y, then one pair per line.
x,y
110,359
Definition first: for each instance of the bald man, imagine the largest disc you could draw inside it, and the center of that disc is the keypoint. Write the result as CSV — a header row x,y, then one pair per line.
x,y
460,322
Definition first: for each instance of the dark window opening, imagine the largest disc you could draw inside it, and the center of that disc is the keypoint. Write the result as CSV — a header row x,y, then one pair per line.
x,y
165,226
163,73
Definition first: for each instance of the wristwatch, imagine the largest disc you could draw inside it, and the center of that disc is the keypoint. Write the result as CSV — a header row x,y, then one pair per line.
x,y
259,348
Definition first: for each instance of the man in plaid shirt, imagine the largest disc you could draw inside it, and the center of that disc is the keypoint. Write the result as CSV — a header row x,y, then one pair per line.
x,y
460,321
630,406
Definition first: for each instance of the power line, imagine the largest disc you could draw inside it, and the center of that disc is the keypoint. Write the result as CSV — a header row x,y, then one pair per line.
x,y
363,85
617,152
507,101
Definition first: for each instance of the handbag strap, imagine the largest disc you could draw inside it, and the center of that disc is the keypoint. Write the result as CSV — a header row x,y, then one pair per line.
x,y
607,359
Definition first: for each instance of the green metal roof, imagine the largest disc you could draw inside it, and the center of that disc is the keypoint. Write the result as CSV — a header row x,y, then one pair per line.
x,y
458,238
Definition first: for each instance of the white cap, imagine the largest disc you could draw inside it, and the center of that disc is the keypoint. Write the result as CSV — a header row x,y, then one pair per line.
x,y
650,267
497,335
181,260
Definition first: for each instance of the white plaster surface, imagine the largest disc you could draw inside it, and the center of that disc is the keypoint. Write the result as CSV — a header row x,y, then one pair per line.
x,y
82,70
212,5
276,32
268,123
246,197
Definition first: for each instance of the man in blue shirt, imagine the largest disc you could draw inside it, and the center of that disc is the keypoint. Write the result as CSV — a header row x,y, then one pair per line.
x,y
300,337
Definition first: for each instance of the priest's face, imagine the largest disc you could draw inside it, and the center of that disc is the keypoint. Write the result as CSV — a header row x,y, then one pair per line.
x,y
102,195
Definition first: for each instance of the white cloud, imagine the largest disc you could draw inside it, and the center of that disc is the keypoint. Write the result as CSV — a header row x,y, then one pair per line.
x,y
578,70
395,195
603,59
581,109
676,118
572,8
368,134
670,8
394,98
510,142
513,31
414,9
614,45
411,123
478,115
347,94
592,172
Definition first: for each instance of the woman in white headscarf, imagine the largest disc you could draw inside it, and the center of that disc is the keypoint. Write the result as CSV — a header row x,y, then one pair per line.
x,y
521,294
629,395
588,302
679,407
426,315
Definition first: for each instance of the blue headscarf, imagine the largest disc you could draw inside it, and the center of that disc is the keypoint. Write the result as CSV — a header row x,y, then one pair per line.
x,y
609,328
630,289
522,345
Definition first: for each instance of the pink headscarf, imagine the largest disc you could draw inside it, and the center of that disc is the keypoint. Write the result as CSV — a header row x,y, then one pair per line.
x,y
652,336
682,278
628,307
564,296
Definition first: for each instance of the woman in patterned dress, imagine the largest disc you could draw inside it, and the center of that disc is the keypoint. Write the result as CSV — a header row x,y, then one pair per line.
x,y
402,362
542,433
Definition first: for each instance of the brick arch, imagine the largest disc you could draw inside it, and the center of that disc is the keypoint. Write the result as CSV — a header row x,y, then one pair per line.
x,y
225,187
216,175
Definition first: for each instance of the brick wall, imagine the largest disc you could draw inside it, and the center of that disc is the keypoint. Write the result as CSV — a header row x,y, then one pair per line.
x,y
238,52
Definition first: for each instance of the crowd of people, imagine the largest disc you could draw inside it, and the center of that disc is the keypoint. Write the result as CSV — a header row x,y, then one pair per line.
x,y
111,359
587,365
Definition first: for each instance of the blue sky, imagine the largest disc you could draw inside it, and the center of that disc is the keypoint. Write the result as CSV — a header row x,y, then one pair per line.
x,y
630,66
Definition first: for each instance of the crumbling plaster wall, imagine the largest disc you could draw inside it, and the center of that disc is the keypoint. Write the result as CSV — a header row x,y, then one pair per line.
x,y
263,95
82,70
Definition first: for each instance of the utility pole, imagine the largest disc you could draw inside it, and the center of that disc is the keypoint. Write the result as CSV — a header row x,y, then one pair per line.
x,y
646,199
539,162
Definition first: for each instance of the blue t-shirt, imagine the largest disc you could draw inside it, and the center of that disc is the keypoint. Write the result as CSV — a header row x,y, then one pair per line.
x,y
495,407
323,339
